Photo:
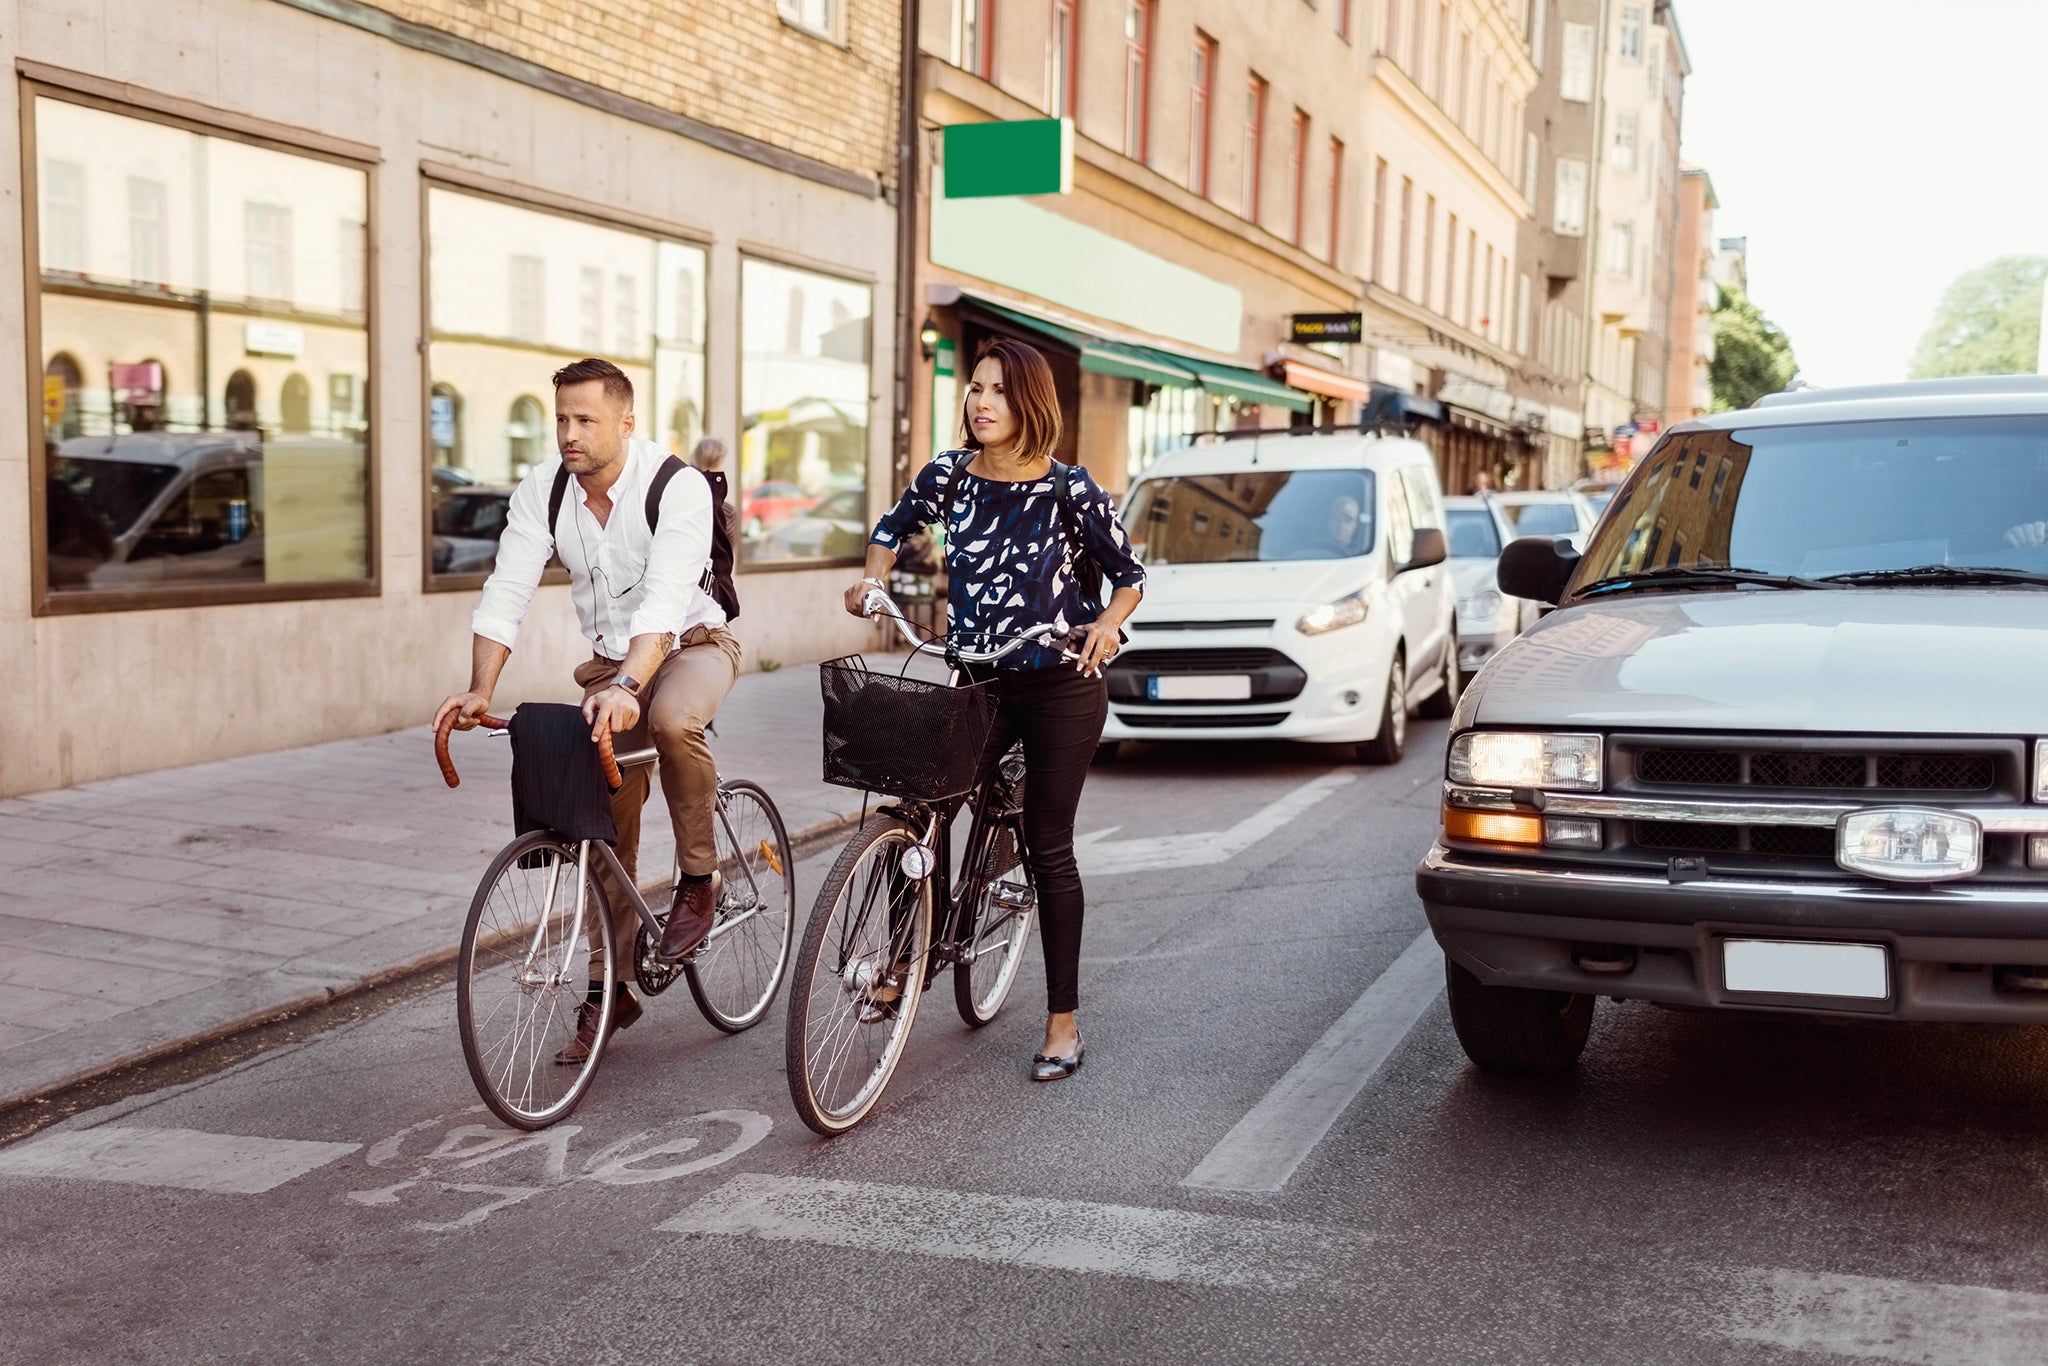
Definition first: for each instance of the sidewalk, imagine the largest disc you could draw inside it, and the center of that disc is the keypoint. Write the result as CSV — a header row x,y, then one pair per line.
x,y
141,914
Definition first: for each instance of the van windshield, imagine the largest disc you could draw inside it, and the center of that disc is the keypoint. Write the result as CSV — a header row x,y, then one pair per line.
x,y
116,492
1252,515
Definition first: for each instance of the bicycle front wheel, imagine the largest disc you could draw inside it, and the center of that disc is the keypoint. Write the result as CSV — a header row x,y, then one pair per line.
x,y
733,976
1006,904
859,977
522,977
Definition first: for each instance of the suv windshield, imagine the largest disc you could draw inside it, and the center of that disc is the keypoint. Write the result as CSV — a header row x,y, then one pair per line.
x,y
1844,498
1252,515
118,492
1473,534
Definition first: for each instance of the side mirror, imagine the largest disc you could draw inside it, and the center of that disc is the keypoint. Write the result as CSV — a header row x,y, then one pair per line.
x,y
1536,567
1430,548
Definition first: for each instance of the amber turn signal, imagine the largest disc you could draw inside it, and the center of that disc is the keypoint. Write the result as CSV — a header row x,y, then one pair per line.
x,y
1492,827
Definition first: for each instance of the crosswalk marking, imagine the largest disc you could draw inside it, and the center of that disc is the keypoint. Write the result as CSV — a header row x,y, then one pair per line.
x,y
1886,1320
183,1159
1262,1152
1060,1235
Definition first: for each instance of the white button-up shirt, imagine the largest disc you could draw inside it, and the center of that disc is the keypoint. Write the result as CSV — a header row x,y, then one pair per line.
x,y
625,580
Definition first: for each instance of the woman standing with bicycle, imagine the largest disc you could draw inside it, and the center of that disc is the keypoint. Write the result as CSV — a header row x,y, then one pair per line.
x,y
1019,553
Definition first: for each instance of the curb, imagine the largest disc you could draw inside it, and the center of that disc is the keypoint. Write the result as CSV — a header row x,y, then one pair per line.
x,y
322,998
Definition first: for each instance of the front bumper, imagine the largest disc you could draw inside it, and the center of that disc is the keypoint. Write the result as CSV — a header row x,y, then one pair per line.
x,y
1527,924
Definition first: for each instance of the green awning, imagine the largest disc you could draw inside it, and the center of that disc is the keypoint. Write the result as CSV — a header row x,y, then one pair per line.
x,y
1128,360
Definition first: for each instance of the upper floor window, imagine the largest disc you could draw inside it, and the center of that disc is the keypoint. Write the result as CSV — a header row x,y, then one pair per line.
x,y
1200,97
1137,77
1624,151
1061,46
1631,44
1621,249
1568,212
1297,178
974,37
1254,145
820,17
1575,81
1336,198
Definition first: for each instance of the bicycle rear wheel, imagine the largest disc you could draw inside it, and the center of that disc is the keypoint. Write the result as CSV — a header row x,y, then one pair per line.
x,y
733,976
859,977
1002,913
521,980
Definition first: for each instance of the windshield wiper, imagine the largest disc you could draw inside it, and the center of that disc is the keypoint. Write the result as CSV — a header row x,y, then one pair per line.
x,y
1682,575
1942,573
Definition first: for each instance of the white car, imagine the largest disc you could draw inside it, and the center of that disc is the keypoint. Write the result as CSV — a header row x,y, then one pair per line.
x,y
1548,512
1487,618
1295,590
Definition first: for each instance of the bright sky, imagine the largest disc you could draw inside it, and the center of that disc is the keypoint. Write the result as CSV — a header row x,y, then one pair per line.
x,y
1871,151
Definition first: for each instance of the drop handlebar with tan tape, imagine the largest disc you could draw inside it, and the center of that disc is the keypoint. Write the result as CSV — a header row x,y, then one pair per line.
x,y
447,762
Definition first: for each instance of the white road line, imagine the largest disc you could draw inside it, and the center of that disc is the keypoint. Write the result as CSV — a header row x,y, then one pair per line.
x,y
1261,1153
185,1159
1098,854
1014,1230
1864,1316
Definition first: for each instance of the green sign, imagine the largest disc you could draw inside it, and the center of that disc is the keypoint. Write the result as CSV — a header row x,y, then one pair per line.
x,y
1028,156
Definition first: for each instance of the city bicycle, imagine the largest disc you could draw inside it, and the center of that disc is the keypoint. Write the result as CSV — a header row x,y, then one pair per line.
x,y
872,948
539,933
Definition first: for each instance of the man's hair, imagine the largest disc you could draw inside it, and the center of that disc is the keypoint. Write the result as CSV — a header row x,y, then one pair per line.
x,y
617,387
1027,383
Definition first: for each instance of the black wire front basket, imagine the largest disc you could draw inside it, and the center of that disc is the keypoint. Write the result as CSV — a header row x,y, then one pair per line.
x,y
902,737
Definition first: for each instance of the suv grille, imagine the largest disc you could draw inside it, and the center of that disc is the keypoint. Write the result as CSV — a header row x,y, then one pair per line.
x,y
1706,768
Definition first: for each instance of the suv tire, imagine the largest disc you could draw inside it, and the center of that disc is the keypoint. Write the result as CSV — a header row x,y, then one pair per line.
x,y
1440,704
1392,740
1517,1029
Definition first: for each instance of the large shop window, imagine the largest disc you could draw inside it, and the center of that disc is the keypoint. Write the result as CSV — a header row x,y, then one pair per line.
x,y
516,293
804,386
204,358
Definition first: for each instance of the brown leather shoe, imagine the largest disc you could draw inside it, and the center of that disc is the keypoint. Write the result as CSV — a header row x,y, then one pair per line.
x,y
691,918
625,1011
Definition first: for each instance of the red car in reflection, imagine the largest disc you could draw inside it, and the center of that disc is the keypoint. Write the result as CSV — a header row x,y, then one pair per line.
x,y
772,504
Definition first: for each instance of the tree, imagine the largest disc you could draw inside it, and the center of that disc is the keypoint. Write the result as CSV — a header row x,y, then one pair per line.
x,y
1751,356
1988,323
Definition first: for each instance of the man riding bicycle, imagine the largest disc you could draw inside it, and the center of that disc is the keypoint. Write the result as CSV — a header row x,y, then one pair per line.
x,y
661,656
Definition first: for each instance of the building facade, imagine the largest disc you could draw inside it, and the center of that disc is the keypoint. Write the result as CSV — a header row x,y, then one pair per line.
x,y
1688,385
1641,90
294,275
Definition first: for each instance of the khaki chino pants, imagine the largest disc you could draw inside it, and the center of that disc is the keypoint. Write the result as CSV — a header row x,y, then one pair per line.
x,y
675,706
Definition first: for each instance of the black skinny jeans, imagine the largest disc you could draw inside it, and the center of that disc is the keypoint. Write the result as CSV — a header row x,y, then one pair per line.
x,y
1058,712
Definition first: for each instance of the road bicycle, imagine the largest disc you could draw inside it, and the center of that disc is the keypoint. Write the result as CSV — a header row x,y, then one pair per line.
x,y
870,949
539,933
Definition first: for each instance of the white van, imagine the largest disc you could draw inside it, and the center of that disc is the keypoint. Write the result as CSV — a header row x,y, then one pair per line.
x,y
1295,590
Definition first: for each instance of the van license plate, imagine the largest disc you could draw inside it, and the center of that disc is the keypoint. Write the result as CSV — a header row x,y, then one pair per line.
x,y
1791,968
1199,688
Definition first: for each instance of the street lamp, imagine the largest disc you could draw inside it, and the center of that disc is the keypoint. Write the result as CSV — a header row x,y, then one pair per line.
x,y
928,337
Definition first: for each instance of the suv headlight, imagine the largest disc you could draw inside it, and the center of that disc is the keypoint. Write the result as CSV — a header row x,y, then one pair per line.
x,y
2041,770
1555,763
1330,616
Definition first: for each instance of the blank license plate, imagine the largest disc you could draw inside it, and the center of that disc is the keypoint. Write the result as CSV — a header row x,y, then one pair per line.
x,y
1199,688
1790,968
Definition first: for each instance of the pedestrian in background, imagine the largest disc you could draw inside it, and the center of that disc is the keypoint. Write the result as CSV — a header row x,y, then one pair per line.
x,y
708,455
1011,559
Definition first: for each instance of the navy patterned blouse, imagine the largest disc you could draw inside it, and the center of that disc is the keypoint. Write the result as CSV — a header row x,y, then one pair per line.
x,y
1009,558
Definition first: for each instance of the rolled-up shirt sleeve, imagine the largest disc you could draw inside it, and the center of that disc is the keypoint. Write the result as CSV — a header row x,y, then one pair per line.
x,y
1104,533
919,506
523,553
677,557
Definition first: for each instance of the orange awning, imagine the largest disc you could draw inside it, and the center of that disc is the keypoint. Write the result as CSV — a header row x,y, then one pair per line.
x,y
1315,380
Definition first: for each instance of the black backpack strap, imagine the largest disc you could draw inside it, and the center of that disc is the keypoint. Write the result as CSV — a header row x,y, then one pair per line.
x,y
952,482
1062,485
659,485
555,498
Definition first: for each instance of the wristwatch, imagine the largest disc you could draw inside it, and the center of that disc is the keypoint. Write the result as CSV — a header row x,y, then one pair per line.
x,y
629,683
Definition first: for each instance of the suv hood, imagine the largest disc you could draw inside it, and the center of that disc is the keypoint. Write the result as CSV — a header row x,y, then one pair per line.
x,y
1194,591
1854,661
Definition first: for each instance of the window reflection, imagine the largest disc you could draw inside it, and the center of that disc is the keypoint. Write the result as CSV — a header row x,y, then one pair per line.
x,y
195,331
804,384
516,293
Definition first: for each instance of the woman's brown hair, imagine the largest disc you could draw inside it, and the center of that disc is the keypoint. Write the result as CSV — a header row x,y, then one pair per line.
x,y
1027,383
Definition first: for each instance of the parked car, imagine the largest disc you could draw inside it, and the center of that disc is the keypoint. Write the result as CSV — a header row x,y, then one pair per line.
x,y
1548,512
771,504
1487,618
1781,748
1295,590
468,523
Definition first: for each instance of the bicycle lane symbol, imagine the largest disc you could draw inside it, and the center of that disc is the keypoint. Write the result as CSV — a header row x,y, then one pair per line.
x,y
469,1153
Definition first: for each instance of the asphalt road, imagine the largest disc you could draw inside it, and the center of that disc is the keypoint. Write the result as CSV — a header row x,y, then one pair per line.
x,y
1276,1152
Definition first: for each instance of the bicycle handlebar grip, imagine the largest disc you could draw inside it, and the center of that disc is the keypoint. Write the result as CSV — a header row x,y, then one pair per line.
x,y
612,776
441,755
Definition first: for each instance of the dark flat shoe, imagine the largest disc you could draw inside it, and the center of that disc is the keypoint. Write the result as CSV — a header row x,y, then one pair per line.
x,y
1045,1068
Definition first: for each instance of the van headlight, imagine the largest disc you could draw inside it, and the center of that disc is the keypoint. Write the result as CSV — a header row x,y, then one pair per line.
x,y
1526,759
1331,616
1481,606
